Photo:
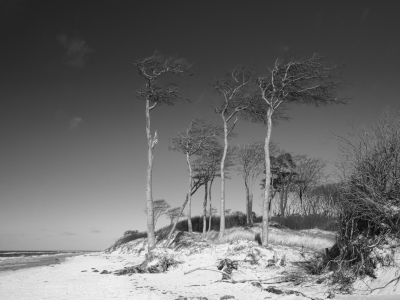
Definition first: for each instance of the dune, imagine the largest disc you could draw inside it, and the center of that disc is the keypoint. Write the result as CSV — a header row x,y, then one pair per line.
x,y
191,273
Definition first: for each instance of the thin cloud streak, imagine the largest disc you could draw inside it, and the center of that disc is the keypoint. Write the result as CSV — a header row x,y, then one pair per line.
x,y
77,49
75,122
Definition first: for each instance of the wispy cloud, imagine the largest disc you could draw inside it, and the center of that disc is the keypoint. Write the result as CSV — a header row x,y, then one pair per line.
x,y
95,231
74,122
76,48
68,233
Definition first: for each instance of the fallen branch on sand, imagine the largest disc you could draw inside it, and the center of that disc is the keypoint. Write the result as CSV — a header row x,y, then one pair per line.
x,y
231,279
389,282
270,289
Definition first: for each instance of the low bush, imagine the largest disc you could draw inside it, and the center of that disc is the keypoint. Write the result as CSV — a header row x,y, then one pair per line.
x,y
300,222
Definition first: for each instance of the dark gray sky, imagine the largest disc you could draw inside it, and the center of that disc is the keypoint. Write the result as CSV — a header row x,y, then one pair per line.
x,y
73,145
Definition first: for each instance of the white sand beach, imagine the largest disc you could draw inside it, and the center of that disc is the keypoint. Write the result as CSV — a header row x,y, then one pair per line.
x,y
77,278
262,274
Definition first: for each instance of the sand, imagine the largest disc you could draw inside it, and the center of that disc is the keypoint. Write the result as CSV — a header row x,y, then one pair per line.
x,y
80,277
68,281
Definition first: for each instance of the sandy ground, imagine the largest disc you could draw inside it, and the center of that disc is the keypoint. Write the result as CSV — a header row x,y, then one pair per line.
x,y
67,281
80,277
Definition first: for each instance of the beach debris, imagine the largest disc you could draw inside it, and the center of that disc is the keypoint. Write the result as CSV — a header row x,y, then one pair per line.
x,y
157,261
257,284
95,270
191,298
227,265
226,297
105,272
84,271
274,290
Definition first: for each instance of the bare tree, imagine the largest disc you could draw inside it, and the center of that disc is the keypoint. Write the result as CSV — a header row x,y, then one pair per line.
x,y
197,138
308,80
285,169
233,87
212,211
250,161
155,94
159,207
310,172
206,168
173,213
369,195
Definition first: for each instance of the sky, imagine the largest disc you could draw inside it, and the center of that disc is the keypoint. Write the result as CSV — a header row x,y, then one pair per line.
x,y
73,152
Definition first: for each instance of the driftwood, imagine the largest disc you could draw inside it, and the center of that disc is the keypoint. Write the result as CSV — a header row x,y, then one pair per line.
x,y
230,277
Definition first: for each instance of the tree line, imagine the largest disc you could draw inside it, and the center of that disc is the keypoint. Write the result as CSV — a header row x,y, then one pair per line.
x,y
244,95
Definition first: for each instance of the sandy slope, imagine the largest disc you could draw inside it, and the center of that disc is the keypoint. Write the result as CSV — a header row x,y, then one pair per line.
x,y
67,281
76,277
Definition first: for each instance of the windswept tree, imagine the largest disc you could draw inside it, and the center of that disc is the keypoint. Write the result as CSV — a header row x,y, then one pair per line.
x,y
235,98
308,80
206,168
285,172
250,164
197,138
160,208
310,173
156,94
173,213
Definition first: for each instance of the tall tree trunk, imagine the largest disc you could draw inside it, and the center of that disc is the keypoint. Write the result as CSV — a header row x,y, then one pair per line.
x,y
209,197
176,221
149,196
282,200
222,213
267,181
205,208
248,213
189,211
247,201
251,206
286,194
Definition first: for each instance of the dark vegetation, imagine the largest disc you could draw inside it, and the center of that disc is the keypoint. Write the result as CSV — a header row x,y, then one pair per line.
x,y
299,222
369,210
236,219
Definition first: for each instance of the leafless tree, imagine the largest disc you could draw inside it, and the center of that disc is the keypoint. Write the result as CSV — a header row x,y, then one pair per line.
x,y
212,211
197,138
369,194
156,94
160,208
308,80
250,164
310,173
197,183
206,168
235,98
173,213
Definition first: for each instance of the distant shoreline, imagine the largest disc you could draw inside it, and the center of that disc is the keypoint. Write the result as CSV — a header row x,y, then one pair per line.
x,y
17,263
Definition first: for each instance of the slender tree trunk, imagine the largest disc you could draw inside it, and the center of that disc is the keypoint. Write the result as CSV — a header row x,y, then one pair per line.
x,y
286,194
209,197
222,213
267,181
205,208
281,202
189,211
251,206
176,221
248,217
149,195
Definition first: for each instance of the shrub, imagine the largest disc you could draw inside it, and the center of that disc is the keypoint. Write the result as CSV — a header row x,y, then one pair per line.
x,y
300,222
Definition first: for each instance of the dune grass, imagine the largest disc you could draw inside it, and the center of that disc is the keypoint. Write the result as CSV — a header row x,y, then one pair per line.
x,y
276,237
235,231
